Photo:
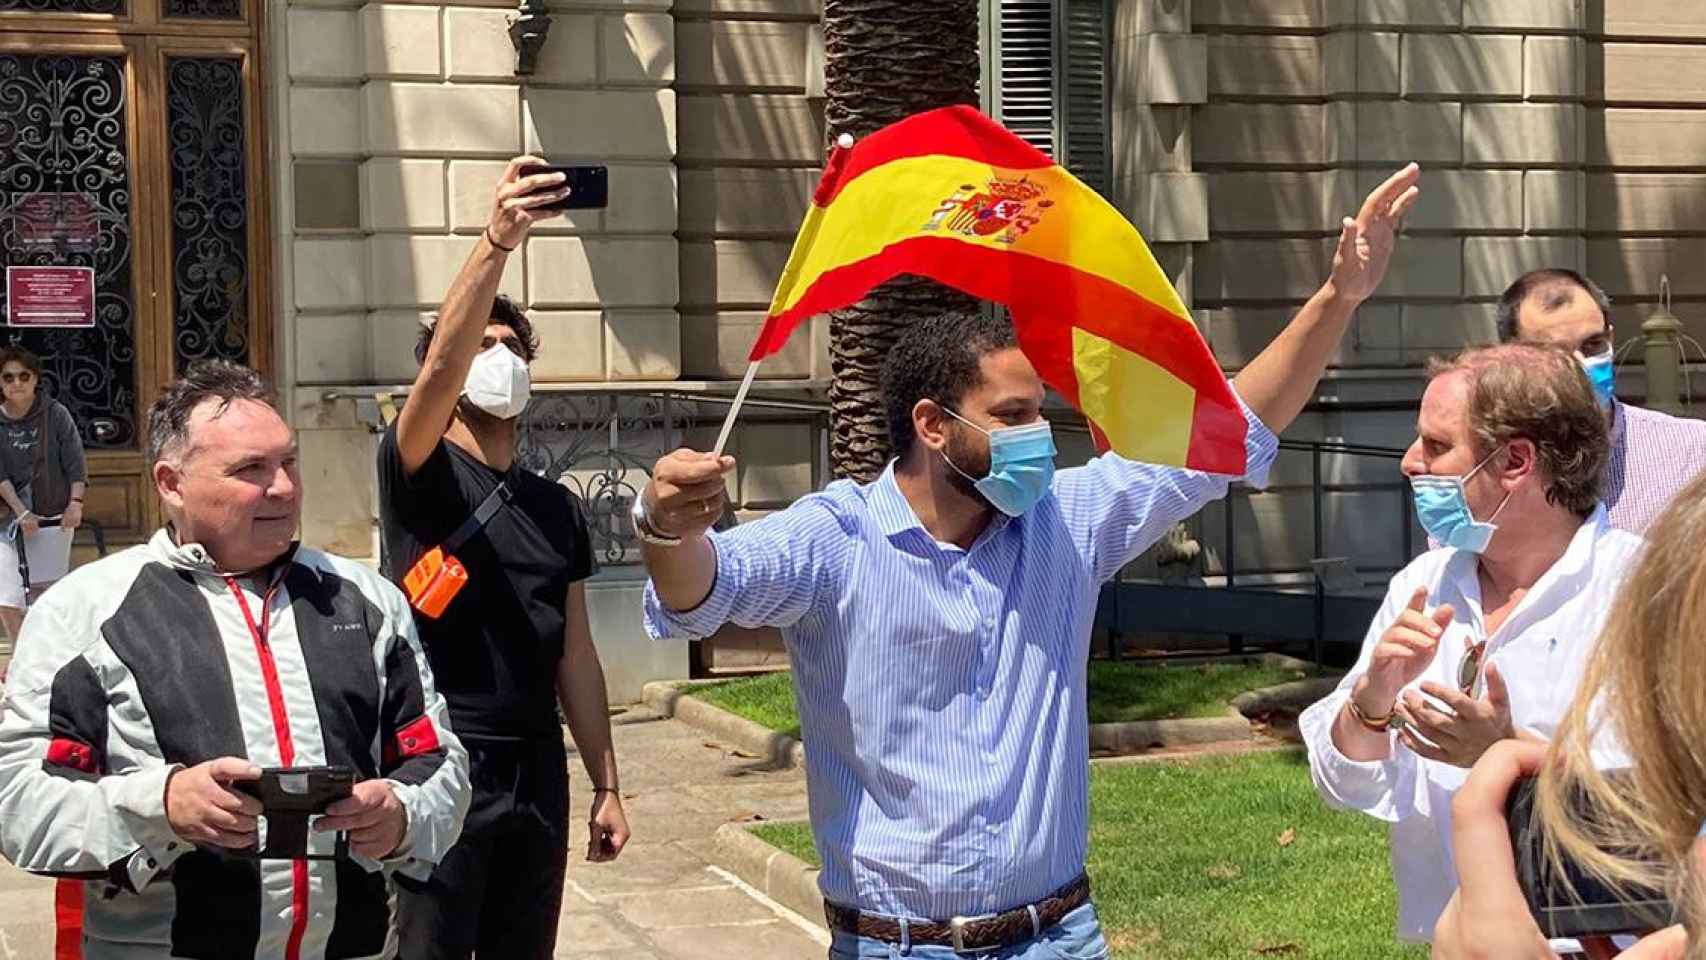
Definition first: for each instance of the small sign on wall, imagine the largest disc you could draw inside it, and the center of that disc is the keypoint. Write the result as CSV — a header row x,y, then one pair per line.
x,y
68,220
50,296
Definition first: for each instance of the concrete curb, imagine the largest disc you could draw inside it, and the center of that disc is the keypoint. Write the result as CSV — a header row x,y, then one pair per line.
x,y
778,749
781,876
783,752
1143,734
1295,696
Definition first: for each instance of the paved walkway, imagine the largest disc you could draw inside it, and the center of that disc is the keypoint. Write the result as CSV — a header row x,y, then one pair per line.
x,y
663,900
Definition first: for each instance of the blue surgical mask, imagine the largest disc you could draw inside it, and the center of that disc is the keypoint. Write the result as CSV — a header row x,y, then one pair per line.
x,y
1602,373
1442,506
1021,465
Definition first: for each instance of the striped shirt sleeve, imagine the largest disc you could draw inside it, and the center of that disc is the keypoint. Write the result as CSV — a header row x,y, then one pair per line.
x,y
1118,508
770,573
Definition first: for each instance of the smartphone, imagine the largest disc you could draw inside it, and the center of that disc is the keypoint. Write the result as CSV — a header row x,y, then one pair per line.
x,y
589,187
1592,908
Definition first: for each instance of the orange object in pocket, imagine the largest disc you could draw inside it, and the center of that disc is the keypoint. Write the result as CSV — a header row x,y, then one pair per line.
x,y
434,581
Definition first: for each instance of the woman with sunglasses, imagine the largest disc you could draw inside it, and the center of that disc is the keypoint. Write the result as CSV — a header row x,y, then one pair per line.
x,y
1485,638
42,473
1645,681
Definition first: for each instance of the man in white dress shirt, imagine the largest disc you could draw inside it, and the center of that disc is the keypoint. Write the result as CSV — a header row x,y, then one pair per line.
x,y
1486,637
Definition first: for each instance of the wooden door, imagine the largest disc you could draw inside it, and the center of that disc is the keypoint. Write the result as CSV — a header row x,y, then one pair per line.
x,y
132,146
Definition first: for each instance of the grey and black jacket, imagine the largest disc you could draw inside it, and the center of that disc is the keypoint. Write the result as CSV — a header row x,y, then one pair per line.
x,y
151,660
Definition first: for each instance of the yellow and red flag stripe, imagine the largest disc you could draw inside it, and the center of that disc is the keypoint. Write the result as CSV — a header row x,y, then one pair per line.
x,y
953,196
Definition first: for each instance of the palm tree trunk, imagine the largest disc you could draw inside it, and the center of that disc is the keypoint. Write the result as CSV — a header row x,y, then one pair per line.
x,y
887,60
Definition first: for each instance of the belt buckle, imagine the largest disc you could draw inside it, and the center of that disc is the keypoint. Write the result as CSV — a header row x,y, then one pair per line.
x,y
957,933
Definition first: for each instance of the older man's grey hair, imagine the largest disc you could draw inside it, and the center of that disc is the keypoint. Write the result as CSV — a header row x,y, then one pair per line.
x,y
204,380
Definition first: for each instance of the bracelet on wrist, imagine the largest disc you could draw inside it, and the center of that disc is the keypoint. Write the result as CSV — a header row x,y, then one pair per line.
x,y
494,241
1377,724
605,790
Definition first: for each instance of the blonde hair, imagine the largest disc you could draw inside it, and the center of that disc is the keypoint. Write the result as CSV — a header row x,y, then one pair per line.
x,y
1646,684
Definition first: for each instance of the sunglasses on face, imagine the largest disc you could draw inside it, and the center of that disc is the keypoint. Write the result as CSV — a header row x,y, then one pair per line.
x,y
23,376
1469,668
513,344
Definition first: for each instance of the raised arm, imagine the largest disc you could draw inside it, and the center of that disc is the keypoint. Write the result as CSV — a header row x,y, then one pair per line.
x,y
467,307
1278,383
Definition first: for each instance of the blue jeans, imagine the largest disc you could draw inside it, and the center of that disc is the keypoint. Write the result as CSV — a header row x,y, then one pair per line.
x,y
1078,936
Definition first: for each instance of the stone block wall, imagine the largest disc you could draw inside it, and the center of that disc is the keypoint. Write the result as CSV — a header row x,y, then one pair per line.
x,y
751,148
1645,191
1311,104
1550,132
397,121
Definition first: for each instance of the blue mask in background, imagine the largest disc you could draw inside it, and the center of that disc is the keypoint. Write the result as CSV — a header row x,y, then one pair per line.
x,y
1021,465
1602,373
1442,507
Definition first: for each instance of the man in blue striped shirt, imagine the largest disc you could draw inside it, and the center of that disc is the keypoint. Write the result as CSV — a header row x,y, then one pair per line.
x,y
938,621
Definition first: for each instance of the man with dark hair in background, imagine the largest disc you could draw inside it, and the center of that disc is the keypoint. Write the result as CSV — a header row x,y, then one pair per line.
x,y
514,642
1653,454
148,683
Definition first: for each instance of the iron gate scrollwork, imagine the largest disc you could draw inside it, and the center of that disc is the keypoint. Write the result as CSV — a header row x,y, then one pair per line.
x,y
65,6
62,133
210,221
205,9
602,446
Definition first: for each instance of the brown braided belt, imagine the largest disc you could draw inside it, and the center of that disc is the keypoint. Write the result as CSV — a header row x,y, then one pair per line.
x,y
967,934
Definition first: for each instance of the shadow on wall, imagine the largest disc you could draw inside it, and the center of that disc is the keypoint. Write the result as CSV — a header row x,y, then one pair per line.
x,y
601,285
752,145
1641,224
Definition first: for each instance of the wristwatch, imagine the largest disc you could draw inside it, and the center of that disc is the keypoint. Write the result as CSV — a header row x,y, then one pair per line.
x,y
644,529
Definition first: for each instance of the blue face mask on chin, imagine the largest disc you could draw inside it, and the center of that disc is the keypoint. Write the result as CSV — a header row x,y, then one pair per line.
x,y
1021,465
1442,507
1602,373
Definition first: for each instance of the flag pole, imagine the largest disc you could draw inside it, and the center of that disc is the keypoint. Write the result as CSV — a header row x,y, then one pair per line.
x,y
734,408
843,143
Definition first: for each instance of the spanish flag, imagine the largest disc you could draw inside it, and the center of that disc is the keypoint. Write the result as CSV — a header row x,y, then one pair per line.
x,y
953,196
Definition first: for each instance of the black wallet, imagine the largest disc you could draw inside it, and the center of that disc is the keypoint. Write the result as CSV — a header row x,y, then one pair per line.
x,y
289,796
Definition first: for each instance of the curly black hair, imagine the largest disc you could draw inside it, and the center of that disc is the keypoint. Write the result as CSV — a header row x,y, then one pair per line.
x,y
938,359
504,311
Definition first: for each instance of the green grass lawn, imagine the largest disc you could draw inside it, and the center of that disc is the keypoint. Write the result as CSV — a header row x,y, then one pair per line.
x,y
1119,692
1124,692
767,700
1186,860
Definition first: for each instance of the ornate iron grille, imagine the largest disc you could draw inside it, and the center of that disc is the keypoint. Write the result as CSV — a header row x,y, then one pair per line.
x,y
602,446
205,9
210,221
65,6
62,135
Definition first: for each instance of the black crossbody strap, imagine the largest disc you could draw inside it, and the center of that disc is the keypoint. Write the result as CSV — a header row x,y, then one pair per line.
x,y
482,514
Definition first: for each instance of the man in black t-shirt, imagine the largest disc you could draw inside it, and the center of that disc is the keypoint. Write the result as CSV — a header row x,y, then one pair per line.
x,y
513,641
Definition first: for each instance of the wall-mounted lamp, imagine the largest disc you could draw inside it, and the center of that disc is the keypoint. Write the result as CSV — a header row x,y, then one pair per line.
x,y
527,32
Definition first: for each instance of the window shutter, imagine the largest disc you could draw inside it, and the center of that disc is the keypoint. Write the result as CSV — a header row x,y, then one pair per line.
x,y
1083,127
1026,95
1052,80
